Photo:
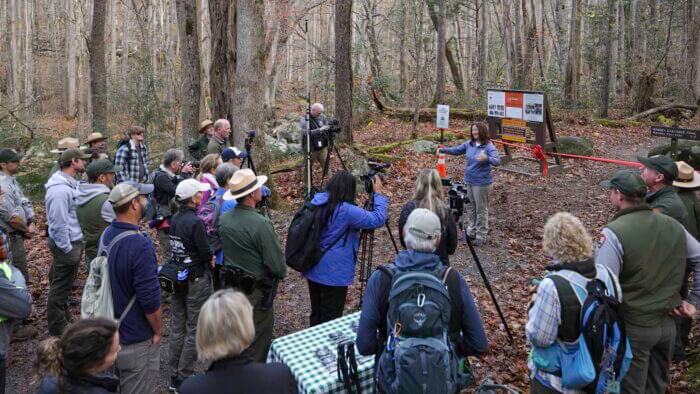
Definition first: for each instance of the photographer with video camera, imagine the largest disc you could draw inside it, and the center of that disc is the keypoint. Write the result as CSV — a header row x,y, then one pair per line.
x,y
428,194
481,155
340,221
316,129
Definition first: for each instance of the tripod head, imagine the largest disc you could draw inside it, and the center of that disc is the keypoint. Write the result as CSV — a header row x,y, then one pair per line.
x,y
249,139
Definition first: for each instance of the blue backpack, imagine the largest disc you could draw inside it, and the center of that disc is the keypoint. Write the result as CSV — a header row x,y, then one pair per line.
x,y
419,356
592,352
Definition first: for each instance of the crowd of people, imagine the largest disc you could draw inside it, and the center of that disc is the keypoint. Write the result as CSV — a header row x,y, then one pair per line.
x,y
219,263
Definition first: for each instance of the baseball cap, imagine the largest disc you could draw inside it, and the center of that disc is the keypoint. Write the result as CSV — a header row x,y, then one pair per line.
x,y
660,163
9,156
127,191
231,153
627,182
423,224
73,153
189,187
102,166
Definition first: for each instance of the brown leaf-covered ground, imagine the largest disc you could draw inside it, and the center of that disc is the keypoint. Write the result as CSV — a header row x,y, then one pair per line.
x,y
512,258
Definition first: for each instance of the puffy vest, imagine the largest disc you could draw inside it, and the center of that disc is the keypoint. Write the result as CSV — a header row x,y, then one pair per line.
x,y
653,264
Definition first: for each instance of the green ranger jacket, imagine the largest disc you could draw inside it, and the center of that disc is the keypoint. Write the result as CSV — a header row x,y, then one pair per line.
x,y
215,145
692,207
198,149
250,243
670,204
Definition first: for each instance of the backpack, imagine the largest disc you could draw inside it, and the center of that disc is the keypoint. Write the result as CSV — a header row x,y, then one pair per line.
x,y
210,214
591,320
419,355
153,209
97,293
302,251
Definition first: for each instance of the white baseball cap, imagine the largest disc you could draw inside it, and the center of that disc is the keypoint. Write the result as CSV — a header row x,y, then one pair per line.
x,y
189,187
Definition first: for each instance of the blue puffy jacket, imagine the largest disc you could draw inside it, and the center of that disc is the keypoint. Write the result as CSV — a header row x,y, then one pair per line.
x,y
337,266
475,172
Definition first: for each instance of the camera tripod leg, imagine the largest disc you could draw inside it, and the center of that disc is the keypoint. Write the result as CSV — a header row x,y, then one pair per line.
x,y
391,237
486,281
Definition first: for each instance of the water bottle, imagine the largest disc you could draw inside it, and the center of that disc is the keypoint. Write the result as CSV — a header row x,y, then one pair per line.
x,y
182,275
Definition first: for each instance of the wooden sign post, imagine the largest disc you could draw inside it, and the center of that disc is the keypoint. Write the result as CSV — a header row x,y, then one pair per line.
x,y
522,116
675,134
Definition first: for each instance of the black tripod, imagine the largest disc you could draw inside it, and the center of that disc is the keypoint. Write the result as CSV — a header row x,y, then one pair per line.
x,y
468,242
248,161
331,148
367,248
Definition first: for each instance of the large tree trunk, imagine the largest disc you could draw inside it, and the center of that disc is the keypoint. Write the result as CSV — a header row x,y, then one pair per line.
x,y
222,72
441,44
402,49
71,62
454,66
28,51
375,65
98,68
573,62
343,67
605,89
189,67
481,25
250,49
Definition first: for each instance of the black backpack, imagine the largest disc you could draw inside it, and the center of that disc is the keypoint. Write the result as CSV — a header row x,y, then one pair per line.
x,y
302,251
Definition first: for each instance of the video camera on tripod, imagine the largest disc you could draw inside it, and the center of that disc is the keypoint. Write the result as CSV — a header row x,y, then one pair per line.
x,y
457,196
333,127
375,168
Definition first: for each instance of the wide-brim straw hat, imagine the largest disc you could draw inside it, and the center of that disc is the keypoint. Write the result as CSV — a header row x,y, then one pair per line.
x,y
94,137
687,178
205,123
66,143
243,183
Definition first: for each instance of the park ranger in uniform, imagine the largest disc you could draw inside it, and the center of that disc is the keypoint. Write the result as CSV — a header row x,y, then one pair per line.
x,y
253,259
658,174
648,251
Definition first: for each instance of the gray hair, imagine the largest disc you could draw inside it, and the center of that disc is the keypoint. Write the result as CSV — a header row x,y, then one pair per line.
x,y
172,155
220,124
225,326
224,173
419,245
317,106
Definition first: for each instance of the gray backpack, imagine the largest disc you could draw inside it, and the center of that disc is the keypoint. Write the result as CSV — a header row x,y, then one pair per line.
x,y
419,356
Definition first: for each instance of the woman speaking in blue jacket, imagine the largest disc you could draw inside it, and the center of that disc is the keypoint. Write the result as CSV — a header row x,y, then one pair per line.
x,y
481,155
341,221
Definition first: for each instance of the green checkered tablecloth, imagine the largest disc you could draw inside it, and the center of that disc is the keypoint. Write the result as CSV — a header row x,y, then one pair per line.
x,y
298,351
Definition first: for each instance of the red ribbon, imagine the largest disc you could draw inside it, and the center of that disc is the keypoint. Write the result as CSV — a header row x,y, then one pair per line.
x,y
538,154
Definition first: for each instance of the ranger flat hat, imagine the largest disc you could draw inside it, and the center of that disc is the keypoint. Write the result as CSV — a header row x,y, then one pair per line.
x,y
94,137
205,123
243,183
687,178
66,143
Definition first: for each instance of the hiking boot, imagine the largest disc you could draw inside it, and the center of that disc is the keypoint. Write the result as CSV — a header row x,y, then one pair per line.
x,y
23,332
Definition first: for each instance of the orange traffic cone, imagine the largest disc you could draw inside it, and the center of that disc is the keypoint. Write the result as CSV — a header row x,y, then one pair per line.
x,y
441,167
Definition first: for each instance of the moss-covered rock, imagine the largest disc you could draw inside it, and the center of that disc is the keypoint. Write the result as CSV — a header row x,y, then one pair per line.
x,y
688,151
575,145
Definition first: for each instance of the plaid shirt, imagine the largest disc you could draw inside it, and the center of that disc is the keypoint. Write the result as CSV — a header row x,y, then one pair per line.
x,y
128,158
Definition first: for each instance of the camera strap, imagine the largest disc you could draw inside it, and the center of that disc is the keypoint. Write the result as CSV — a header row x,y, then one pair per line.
x,y
347,368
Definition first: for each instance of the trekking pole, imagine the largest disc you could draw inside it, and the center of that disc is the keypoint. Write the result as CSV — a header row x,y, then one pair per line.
x,y
486,283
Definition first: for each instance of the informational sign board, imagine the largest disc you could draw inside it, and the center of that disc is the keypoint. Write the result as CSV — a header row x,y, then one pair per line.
x,y
514,130
443,116
516,105
675,132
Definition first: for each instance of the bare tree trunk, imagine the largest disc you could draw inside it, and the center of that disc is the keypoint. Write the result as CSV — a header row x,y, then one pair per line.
x,y
605,89
223,65
481,26
71,63
375,65
343,67
250,70
454,66
204,56
441,44
98,68
402,48
696,67
28,50
189,67
573,63
13,82
125,57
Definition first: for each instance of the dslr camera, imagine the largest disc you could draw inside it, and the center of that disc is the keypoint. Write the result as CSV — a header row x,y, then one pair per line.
x,y
457,196
375,168
333,126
